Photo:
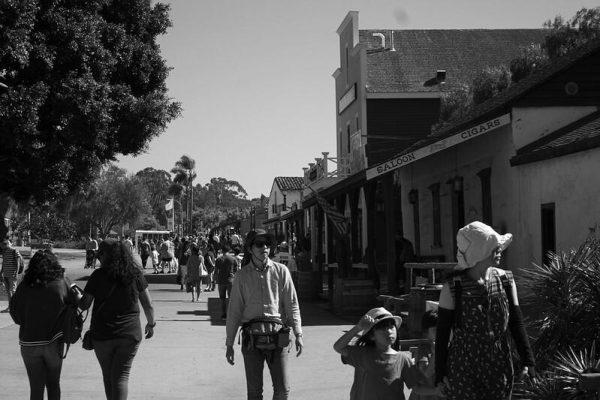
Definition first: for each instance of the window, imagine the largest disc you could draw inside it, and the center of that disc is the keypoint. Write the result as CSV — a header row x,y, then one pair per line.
x,y
348,133
486,195
413,198
437,216
548,230
284,208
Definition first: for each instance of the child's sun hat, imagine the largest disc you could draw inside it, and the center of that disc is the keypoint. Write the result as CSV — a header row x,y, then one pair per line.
x,y
380,314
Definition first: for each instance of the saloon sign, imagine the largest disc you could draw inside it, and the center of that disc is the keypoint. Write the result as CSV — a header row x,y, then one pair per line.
x,y
405,159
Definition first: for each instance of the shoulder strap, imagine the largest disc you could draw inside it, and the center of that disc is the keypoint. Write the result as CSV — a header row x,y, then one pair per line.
x,y
457,301
507,285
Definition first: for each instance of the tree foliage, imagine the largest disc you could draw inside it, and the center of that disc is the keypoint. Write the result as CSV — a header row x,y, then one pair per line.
x,y
86,82
564,36
46,223
489,82
532,58
114,199
156,182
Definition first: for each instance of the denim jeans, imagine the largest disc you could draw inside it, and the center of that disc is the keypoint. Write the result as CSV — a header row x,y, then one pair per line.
x,y
10,284
115,357
43,365
254,362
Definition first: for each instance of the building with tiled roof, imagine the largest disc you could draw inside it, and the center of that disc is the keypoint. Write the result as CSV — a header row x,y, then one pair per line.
x,y
287,183
525,162
411,59
285,204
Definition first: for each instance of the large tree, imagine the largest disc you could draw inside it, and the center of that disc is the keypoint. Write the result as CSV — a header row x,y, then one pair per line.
x,y
84,82
156,182
114,199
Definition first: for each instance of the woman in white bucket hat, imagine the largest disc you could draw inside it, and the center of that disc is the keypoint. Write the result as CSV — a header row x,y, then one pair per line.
x,y
480,307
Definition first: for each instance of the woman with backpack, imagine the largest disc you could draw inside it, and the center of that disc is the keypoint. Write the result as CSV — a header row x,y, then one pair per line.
x,y
480,307
115,289
38,307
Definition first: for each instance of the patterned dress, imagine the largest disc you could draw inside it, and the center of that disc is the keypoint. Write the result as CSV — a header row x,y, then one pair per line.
x,y
479,357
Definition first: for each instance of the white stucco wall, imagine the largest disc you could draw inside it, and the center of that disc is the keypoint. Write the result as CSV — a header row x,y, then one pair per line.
x,y
572,182
492,150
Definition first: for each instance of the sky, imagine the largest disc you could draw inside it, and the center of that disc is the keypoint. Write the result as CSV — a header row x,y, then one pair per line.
x,y
254,77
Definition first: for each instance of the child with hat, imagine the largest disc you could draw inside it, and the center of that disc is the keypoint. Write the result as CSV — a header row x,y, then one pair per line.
x,y
380,370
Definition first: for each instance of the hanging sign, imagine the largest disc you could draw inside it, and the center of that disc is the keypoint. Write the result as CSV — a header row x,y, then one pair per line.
x,y
451,141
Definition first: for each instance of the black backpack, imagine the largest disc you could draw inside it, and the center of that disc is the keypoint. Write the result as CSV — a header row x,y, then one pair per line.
x,y
72,326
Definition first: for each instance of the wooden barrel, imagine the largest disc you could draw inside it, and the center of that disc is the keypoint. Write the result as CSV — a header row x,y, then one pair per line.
x,y
306,289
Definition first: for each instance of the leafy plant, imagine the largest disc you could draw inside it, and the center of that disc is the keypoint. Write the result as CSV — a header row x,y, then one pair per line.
x,y
564,298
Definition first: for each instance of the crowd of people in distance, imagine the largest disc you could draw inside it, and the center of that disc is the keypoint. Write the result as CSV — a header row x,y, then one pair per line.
x,y
466,351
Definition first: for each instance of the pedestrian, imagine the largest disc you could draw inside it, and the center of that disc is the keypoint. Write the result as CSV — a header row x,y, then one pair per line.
x,y
182,259
479,306
145,251
194,272
284,257
115,289
155,259
91,247
264,303
225,268
12,266
209,262
128,242
37,307
167,252
380,371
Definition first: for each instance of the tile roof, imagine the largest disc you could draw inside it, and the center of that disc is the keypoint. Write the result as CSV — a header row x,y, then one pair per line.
x,y
502,101
419,54
581,135
286,183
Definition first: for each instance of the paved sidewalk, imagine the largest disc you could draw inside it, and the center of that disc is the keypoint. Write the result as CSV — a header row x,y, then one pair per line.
x,y
186,358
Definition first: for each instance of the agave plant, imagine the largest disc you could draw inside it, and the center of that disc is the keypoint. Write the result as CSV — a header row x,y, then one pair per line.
x,y
562,381
565,297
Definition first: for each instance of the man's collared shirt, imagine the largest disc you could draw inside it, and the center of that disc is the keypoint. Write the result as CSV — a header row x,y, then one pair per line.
x,y
262,293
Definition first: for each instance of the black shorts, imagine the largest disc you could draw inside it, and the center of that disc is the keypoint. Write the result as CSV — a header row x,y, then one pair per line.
x,y
169,259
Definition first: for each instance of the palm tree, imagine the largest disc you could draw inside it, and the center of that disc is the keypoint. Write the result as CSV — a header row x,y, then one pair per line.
x,y
185,174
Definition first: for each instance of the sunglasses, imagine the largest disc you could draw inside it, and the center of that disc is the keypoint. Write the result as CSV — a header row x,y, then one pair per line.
x,y
261,243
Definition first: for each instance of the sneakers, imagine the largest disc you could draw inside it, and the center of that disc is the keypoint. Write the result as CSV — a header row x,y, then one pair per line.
x,y
5,310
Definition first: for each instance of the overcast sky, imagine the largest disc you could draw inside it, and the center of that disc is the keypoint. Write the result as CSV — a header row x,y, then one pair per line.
x,y
255,76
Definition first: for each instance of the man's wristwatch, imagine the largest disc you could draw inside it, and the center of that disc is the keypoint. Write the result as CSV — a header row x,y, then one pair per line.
x,y
299,334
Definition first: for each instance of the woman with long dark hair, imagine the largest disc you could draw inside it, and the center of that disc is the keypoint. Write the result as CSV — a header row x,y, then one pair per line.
x,y
37,306
115,289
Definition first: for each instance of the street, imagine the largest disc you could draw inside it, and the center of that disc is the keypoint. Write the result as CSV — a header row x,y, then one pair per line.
x,y
186,357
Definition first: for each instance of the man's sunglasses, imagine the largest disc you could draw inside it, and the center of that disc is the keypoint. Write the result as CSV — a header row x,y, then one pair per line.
x,y
261,243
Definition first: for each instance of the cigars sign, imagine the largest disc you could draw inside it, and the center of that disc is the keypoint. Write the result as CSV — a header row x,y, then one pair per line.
x,y
408,158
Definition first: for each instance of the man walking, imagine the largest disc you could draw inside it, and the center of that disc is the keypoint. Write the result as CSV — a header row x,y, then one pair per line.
x,y
12,266
91,248
225,268
144,251
264,303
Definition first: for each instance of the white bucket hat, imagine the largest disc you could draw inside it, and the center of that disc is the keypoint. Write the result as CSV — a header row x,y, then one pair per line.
x,y
477,241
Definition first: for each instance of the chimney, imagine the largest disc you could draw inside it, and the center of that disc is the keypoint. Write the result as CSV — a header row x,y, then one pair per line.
x,y
440,76
382,37
392,35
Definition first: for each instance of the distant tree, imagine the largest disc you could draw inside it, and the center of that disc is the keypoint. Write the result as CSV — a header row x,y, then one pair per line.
x,y
46,223
185,173
156,183
489,82
225,192
564,36
532,57
83,82
114,199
